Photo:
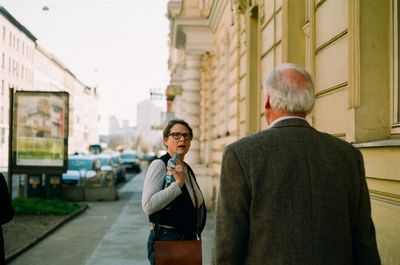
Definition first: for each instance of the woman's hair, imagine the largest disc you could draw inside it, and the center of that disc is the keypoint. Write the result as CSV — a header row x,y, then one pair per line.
x,y
293,95
171,123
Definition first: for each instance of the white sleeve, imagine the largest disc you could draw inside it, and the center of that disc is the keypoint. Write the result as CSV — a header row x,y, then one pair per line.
x,y
154,197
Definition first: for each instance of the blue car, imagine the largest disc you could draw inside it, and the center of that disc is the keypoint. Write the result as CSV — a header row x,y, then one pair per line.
x,y
130,160
83,169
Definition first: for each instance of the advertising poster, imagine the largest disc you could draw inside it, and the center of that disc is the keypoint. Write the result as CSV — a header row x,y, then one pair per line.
x,y
40,133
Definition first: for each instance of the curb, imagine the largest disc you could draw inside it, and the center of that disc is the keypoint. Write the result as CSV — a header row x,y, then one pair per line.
x,y
48,232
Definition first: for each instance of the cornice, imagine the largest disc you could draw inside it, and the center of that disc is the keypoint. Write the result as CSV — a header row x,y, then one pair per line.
x,y
217,10
174,8
241,5
16,23
192,34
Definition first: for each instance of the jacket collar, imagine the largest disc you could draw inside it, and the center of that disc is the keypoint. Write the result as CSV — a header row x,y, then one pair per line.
x,y
291,122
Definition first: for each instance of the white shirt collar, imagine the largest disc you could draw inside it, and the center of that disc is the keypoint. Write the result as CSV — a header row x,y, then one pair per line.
x,y
285,118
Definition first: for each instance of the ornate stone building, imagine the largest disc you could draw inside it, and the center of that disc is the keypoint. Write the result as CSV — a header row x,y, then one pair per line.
x,y
222,50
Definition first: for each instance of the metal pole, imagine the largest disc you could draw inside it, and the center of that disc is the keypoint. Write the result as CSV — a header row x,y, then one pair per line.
x,y
10,142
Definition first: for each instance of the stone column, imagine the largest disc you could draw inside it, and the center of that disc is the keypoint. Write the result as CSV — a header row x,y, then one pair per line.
x,y
191,102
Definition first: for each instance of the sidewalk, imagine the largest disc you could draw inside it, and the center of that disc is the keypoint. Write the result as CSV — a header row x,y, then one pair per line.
x,y
112,233
118,241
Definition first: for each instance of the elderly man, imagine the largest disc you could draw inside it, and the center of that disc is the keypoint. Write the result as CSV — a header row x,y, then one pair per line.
x,y
291,194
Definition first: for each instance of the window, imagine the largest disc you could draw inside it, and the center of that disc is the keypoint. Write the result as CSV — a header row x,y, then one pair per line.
x,y
4,33
2,87
3,58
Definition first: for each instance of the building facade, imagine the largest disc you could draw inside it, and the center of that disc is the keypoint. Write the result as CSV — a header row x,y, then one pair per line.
x,y
119,137
221,51
17,48
50,74
148,138
27,66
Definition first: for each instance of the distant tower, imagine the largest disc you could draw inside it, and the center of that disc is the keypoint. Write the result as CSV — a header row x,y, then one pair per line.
x,y
113,127
148,115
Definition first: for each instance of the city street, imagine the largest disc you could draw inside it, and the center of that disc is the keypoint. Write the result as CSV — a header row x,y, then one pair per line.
x,y
109,233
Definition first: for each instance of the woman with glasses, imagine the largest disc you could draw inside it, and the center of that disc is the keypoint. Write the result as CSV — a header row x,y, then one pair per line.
x,y
177,212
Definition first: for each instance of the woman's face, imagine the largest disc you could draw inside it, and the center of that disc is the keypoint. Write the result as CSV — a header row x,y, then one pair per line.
x,y
181,145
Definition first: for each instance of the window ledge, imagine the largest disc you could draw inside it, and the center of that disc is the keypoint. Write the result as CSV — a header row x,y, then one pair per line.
x,y
381,143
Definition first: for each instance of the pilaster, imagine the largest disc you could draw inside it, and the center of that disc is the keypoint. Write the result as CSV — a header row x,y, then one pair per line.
x,y
195,38
191,102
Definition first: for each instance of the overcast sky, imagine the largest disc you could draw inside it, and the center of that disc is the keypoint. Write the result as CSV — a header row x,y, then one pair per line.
x,y
121,46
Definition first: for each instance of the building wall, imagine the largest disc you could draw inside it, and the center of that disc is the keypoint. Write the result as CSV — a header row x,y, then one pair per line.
x,y
26,66
51,75
84,117
148,117
351,49
17,48
352,71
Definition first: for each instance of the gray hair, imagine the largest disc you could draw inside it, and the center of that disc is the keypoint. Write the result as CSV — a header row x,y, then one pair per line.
x,y
289,95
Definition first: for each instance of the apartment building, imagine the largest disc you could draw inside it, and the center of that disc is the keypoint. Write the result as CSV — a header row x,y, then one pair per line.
x,y
52,75
17,49
221,52
27,66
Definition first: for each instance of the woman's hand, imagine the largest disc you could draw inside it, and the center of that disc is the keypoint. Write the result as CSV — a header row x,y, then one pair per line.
x,y
179,175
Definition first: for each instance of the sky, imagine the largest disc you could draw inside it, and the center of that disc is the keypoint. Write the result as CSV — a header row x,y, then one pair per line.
x,y
119,46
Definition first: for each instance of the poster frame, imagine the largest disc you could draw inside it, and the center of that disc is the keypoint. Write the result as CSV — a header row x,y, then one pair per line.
x,y
39,165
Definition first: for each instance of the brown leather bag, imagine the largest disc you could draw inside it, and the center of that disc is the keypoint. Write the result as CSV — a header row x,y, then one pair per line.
x,y
178,252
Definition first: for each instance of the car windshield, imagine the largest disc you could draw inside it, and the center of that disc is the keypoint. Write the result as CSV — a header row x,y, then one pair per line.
x,y
78,164
104,161
128,155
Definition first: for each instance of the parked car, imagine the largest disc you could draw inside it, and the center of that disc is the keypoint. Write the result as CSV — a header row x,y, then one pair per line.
x,y
149,156
130,160
83,169
107,165
119,165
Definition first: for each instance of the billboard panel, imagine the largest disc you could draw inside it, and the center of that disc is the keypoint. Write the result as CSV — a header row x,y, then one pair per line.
x,y
40,133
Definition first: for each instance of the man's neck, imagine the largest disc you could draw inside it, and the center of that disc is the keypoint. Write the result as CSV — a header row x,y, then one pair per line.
x,y
279,114
276,117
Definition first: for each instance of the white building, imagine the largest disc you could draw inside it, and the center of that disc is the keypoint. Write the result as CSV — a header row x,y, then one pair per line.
x,y
125,135
26,66
17,48
52,75
113,125
148,117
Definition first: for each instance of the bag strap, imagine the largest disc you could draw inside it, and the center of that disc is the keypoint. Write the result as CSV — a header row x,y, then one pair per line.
x,y
196,203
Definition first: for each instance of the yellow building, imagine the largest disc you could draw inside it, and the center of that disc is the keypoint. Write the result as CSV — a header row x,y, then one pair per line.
x,y
221,51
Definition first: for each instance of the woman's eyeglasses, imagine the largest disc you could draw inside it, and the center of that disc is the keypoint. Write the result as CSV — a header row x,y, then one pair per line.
x,y
178,135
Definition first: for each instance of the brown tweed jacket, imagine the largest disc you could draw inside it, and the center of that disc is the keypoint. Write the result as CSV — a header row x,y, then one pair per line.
x,y
293,195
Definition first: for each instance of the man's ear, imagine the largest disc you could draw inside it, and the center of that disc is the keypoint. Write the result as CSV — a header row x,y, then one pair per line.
x,y
267,103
